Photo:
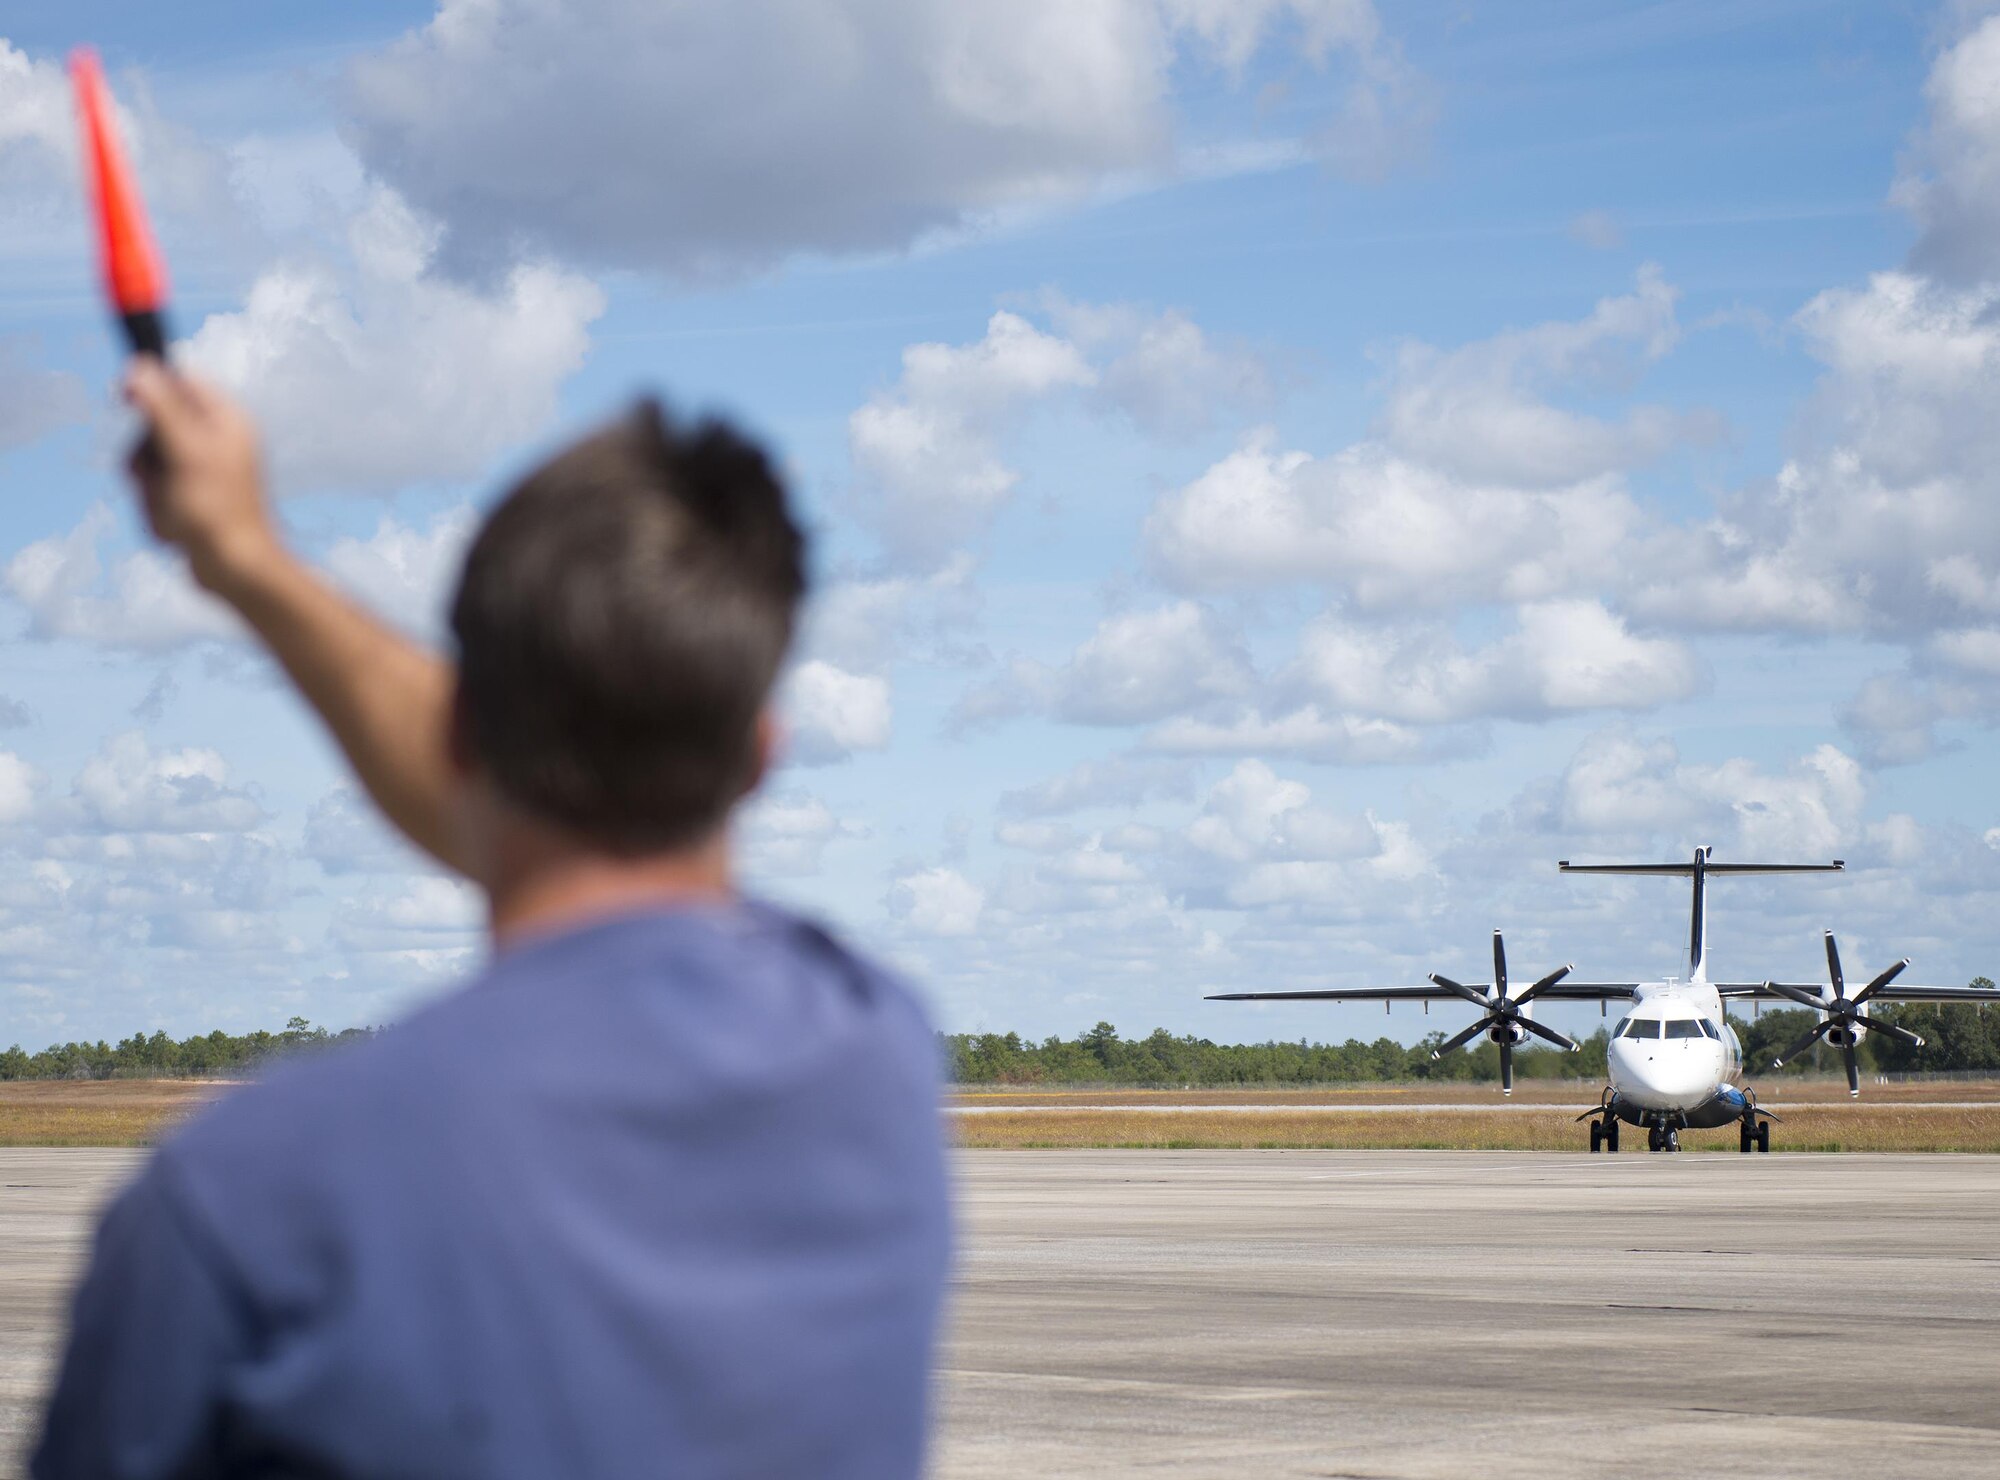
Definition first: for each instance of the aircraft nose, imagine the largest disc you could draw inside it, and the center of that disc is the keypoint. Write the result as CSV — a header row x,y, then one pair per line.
x,y
1666,1074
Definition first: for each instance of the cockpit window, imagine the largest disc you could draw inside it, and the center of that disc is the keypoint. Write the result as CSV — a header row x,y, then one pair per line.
x,y
1683,1028
1710,1029
1640,1028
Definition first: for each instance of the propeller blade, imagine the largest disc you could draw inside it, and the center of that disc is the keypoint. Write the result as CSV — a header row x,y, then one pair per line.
x,y
1853,1070
1882,981
1805,999
1546,982
1569,1044
1460,988
1499,965
1506,1068
1833,966
1901,1035
1803,1044
1461,1039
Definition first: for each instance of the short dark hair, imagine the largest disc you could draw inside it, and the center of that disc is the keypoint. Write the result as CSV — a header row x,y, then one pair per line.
x,y
620,620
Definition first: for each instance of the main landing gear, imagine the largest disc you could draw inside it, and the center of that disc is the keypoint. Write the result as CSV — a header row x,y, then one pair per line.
x,y
1752,1133
1603,1124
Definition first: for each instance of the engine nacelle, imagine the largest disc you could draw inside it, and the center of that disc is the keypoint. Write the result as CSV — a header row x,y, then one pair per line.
x,y
1511,1034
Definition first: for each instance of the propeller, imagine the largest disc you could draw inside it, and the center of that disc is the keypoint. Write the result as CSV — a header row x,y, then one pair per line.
x,y
1504,1017
1844,1019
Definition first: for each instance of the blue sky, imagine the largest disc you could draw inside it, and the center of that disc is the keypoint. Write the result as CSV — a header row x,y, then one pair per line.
x,y
1284,474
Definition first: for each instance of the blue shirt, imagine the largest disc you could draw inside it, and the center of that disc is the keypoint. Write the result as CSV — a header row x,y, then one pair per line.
x,y
660,1196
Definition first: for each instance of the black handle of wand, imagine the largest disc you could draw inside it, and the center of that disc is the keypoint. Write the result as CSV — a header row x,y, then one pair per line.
x,y
146,332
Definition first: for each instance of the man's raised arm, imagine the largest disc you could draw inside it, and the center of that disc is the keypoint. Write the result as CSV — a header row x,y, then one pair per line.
x,y
386,699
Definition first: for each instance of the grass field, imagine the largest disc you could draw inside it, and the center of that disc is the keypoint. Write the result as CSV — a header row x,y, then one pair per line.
x,y
111,1112
1817,1116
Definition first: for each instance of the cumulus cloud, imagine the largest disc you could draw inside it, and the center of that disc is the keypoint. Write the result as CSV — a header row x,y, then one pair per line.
x,y
1620,786
404,572
1395,533
937,901
832,713
128,787
1951,182
1163,370
1482,412
925,449
376,373
1562,657
1136,667
1307,732
545,127
785,834
144,600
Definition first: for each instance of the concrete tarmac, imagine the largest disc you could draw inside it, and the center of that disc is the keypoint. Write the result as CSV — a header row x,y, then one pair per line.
x,y
1448,1314
1387,1314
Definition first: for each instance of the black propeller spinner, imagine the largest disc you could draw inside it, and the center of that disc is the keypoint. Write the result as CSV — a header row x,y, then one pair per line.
x,y
1504,1018
1844,1020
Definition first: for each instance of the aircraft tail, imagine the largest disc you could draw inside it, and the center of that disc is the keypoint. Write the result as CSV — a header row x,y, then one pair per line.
x,y
1698,872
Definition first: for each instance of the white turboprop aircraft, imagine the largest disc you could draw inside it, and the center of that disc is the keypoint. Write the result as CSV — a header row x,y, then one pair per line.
x,y
1673,1059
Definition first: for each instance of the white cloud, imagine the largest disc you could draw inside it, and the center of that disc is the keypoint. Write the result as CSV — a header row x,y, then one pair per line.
x,y
1136,667
382,374
1562,657
128,787
1163,370
145,601
1481,412
1307,732
20,789
1619,786
528,124
925,449
405,573
786,834
832,713
1952,181
938,901
1395,533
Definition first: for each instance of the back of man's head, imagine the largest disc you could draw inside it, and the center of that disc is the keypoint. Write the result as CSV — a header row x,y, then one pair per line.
x,y
620,621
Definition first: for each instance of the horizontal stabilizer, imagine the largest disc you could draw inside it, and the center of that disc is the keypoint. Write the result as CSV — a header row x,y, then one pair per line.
x,y
1688,870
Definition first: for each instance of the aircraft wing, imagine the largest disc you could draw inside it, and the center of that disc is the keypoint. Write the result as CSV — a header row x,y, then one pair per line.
x,y
1894,992
1560,991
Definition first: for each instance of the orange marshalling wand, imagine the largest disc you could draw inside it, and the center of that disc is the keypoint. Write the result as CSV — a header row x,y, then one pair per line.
x,y
134,276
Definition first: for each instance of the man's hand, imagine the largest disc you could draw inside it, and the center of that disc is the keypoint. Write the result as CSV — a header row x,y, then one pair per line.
x,y
201,475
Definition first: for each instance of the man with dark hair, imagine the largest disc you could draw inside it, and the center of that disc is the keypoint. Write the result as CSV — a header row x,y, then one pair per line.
x,y
660,1192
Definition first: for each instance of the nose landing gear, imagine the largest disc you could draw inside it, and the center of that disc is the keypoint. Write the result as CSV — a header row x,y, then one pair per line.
x,y
1663,1138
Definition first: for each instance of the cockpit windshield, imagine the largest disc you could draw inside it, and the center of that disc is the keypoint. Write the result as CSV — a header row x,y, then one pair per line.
x,y
1710,1029
1683,1028
1638,1027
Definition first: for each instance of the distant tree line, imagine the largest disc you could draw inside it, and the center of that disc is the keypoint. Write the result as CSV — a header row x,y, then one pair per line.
x,y
1959,1038
216,1055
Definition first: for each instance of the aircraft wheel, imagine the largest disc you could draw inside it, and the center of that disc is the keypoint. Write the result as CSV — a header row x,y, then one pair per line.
x,y
1746,1139
1764,1136
1611,1136
1673,1141
1652,1138
1596,1136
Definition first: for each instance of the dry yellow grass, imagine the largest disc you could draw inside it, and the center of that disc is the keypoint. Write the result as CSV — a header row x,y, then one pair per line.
x,y
1576,1092
1806,1128
112,1112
